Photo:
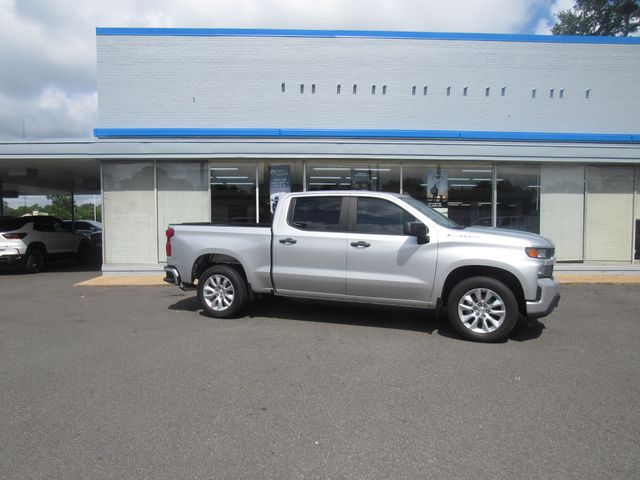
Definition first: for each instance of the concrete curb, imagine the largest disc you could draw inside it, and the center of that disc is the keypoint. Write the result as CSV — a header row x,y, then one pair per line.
x,y
123,281
587,278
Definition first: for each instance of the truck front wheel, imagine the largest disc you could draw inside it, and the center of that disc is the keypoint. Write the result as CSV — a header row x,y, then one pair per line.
x,y
222,292
482,309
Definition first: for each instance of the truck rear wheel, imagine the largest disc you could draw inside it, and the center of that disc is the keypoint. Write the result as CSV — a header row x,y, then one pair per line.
x,y
482,309
222,292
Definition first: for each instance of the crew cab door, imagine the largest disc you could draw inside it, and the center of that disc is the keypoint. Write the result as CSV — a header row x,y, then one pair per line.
x,y
310,247
383,263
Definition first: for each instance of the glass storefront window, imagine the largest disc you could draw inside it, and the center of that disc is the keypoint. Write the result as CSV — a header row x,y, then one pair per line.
x,y
562,209
462,192
609,214
276,177
636,222
233,192
518,206
129,203
375,176
183,195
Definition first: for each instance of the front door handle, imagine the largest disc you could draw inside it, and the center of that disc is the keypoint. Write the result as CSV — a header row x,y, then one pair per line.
x,y
360,244
288,241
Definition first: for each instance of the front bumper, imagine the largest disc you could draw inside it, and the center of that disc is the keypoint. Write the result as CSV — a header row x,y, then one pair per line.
x,y
547,299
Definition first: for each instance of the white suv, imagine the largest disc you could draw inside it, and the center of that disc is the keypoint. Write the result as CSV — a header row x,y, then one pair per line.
x,y
30,241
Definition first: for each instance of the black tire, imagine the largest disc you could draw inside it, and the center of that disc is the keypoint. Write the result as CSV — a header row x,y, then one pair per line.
x,y
222,292
482,309
35,260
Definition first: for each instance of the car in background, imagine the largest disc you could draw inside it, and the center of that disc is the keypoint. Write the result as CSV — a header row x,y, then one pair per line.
x,y
31,241
83,227
90,229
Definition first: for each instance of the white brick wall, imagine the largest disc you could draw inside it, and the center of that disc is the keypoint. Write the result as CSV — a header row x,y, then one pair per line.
x,y
235,82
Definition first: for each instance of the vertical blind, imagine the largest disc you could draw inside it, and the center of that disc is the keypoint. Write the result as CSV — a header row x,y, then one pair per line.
x,y
562,209
128,213
609,212
183,196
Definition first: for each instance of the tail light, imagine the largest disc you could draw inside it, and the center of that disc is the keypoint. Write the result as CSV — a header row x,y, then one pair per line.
x,y
169,233
14,236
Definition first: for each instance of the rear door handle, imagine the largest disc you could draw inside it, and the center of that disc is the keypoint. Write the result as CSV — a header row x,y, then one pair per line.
x,y
360,244
288,241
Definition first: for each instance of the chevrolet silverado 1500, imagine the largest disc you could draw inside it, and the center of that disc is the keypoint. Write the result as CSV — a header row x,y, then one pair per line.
x,y
371,247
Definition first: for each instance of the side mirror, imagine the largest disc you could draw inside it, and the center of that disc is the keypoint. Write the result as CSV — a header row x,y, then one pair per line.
x,y
418,230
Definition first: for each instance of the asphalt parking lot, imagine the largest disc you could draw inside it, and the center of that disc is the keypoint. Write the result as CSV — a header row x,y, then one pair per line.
x,y
135,382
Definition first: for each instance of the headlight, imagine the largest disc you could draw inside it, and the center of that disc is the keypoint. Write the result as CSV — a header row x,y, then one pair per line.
x,y
543,253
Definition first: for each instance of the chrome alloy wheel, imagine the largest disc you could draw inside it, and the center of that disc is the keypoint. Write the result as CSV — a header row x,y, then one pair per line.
x,y
218,292
482,310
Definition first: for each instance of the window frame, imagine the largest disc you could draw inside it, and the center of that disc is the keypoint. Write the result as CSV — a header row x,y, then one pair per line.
x,y
353,216
342,218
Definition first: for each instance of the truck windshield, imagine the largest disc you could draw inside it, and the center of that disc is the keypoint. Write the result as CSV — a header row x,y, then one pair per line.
x,y
434,215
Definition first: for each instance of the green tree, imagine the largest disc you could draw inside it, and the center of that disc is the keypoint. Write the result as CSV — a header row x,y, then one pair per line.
x,y
600,18
21,210
85,212
61,206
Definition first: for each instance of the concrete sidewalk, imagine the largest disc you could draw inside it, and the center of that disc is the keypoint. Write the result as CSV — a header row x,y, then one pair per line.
x,y
156,280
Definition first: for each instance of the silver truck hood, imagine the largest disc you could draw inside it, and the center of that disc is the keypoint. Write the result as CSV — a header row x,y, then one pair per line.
x,y
502,236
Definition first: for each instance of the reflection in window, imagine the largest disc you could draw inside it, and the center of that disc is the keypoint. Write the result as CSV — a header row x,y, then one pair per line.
x,y
127,176
181,176
461,192
317,213
519,198
275,178
233,192
373,176
382,217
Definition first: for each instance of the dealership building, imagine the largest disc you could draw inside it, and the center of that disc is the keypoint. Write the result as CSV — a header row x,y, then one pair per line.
x,y
535,133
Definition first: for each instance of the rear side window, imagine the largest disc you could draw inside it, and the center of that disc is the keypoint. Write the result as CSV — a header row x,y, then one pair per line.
x,y
316,214
10,224
382,217
43,225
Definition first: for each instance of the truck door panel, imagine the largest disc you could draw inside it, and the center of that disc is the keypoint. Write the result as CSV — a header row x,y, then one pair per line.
x,y
383,262
309,248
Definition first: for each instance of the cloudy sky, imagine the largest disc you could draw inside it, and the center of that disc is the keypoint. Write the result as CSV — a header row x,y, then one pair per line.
x,y
47,47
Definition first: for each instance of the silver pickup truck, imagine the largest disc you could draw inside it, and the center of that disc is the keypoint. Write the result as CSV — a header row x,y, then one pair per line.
x,y
372,247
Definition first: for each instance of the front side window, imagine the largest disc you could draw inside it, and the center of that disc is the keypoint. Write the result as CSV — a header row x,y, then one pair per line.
x,y
317,214
59,227
374,215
